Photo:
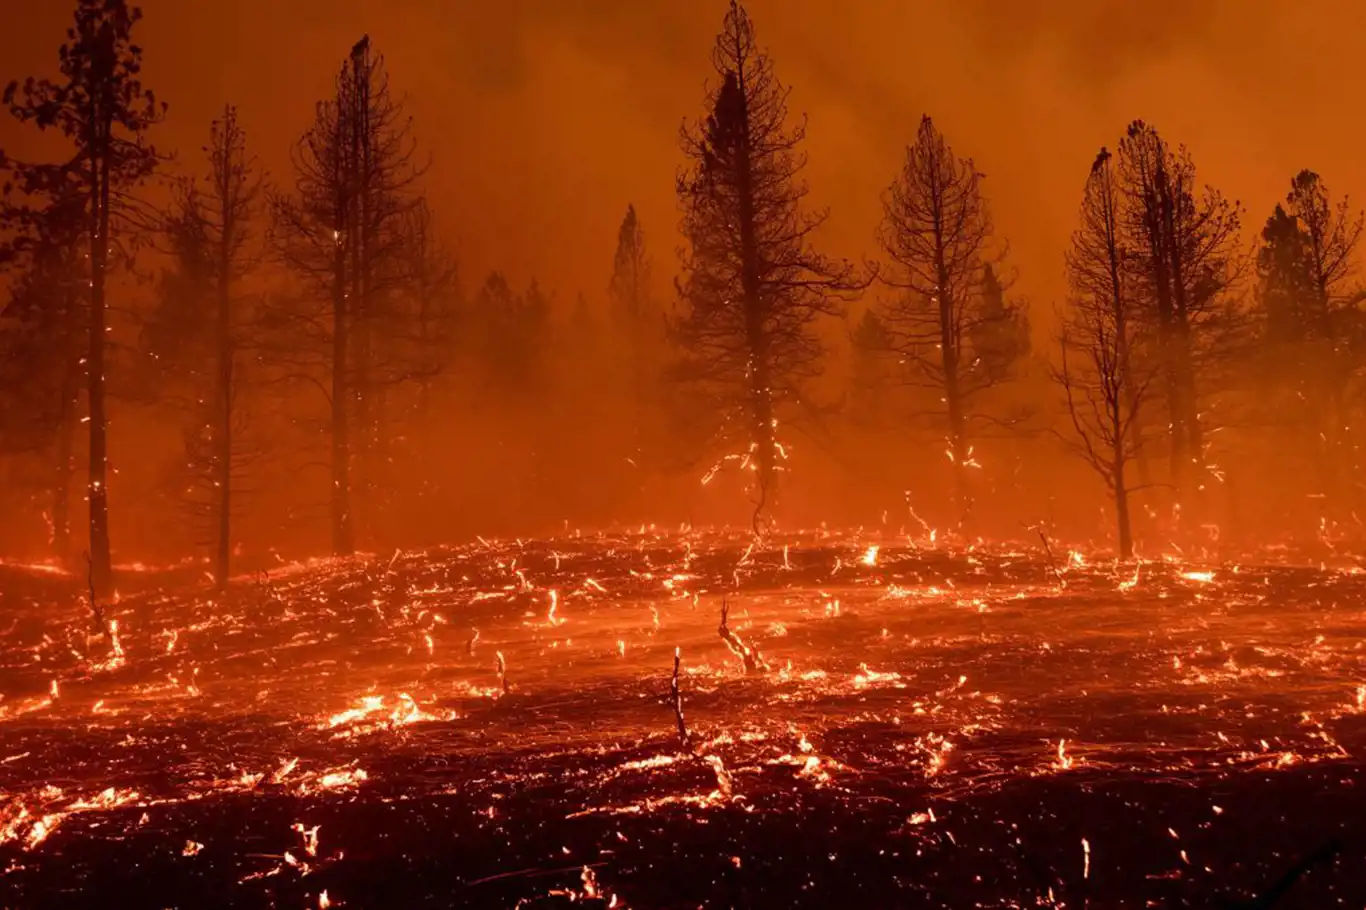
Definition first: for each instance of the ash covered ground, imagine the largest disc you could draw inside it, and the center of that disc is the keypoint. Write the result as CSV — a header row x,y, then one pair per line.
x,y
985,727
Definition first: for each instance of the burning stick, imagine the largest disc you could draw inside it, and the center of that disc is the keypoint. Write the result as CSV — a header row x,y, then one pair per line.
x,y
750,657
503,674
1048,551
473,638
676,699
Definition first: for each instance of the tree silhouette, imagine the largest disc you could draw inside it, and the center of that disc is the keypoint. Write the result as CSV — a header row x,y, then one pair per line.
x,y
1314,328
431,286
342,232
201,326
101,106
949,320
752,285
42,339
1182,244
639,324
1104,381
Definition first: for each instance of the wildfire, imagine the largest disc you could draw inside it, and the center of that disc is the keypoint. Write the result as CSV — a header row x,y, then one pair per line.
x,y
373,714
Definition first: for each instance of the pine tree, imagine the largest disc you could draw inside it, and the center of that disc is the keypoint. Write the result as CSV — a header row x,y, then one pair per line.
x,y
639,324
1182,244
431,284
1104,380
753,288
342,232
201,324
1001,336
1314,329
102,107
950,320
873,373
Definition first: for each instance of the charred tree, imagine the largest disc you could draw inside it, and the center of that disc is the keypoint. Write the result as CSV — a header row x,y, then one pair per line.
x,y
1183,242
431,282
381,171
1313,325
342,232
753,287
200,325
949,320
101,106
638,323
313,343
1105,385
230,208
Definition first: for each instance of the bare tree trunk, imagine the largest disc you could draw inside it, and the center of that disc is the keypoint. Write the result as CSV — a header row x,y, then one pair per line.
x,y
1121,491
101,567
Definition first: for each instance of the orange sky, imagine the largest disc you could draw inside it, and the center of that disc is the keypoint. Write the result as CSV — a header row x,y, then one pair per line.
x,y
543,118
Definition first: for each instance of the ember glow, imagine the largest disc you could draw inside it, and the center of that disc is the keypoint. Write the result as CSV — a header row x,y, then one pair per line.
x,y
966,684
630,454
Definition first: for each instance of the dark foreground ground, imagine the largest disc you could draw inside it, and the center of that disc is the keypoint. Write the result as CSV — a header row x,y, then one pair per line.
x,y
934,729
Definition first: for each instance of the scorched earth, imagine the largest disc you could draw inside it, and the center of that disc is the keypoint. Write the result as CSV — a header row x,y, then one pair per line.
x,y
890,724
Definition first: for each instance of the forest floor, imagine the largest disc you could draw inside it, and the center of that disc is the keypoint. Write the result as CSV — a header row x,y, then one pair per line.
x,y
935,728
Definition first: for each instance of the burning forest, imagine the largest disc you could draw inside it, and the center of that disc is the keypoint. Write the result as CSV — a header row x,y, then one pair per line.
x,y
429,478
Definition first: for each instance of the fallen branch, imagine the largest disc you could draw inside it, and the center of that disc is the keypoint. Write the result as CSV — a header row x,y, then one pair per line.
x,y
1048,551
750,657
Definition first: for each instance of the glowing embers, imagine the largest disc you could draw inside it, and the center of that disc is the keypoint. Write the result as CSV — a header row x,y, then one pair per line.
x,y
372,714
30,821
288,776
116,658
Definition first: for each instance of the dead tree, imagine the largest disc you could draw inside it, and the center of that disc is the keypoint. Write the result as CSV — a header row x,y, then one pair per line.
x,y
101,106
341,232
750,658
199,329
1104,383
432,286
1184,256
1330,235
937,231
676,701
753,288
639,323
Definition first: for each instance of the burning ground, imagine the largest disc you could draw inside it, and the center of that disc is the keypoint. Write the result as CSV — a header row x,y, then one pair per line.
x,y
890,724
